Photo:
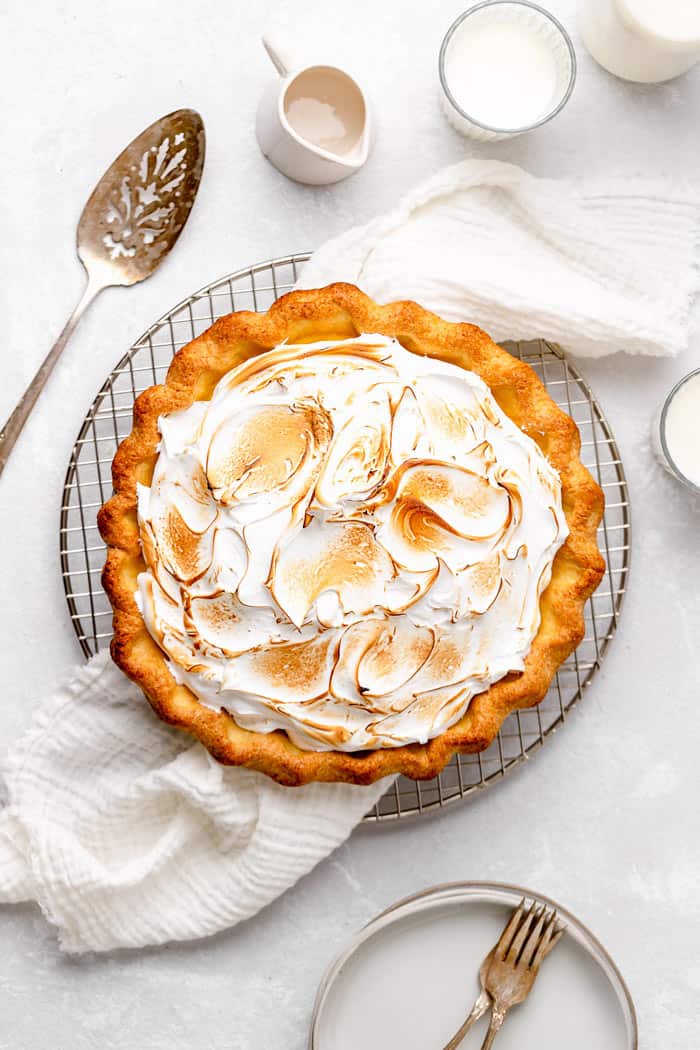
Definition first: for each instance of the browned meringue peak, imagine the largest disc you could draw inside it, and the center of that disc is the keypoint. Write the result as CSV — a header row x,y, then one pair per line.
x,y
179,533
220,623
299,360
379,658
454,414
385,666
263,448
481,584
342,557
229,561
347,542
292,672
185,487
408,428
153,601
441,511
357,459
185,554
437,711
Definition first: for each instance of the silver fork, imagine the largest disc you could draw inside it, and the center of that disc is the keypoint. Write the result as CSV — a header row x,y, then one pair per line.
x,y
508,972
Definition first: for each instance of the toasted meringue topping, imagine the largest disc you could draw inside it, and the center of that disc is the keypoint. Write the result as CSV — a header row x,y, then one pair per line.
x,y
347,542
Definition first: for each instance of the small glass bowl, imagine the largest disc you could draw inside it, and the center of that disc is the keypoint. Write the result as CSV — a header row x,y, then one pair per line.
x,y
534,17
658,436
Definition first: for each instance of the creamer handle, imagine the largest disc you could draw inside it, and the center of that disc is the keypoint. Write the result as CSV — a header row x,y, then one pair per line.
x,y
281,60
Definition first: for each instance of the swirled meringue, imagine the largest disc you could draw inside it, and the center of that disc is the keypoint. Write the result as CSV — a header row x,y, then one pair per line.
x,y
347,542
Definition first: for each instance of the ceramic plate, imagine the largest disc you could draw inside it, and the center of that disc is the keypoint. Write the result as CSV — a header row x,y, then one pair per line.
x,y
410,977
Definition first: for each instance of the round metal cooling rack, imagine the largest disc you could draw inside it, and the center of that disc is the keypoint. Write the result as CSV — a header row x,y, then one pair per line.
x,y
88,484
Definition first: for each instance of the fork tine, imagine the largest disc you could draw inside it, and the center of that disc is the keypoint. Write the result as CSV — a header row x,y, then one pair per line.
x,y
501,949
554,939
534,938
519,939
550,938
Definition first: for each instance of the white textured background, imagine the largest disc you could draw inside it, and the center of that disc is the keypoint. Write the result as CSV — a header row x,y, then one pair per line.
x,y
606,818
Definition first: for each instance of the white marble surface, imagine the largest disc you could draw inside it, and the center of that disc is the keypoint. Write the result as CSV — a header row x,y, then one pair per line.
x,y
606,818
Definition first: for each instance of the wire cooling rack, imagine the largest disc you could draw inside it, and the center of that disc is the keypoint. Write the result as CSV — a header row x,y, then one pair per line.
x,y
88,484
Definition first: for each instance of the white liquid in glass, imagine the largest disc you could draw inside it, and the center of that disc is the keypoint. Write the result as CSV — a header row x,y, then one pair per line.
x,y
501,75
682,430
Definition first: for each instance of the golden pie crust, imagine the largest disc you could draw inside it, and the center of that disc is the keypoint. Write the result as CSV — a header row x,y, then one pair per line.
x,y
342,311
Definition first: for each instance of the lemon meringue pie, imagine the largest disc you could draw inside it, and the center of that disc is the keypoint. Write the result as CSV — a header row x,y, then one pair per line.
x,y
347,540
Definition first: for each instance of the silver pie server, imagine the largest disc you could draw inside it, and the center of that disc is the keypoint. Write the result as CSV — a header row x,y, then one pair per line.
x,y
131,221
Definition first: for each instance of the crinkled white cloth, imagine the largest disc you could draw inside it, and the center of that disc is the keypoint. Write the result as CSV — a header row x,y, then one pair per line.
x,y
127,833
598,265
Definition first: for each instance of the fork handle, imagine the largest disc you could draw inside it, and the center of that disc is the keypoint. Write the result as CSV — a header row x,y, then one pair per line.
x,y
478,1010
14,425
497,1019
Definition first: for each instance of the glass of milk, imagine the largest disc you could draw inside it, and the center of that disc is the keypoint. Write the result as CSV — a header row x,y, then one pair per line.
x,y
506,66
676,431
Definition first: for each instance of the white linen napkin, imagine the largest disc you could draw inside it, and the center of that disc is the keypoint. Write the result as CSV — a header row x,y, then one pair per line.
x,y
598,265
128,833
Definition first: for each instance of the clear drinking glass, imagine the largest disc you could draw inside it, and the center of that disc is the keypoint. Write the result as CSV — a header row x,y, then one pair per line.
x,y
533,20
659,438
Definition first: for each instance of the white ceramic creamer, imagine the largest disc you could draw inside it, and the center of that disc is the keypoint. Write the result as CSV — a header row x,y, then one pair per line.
x,y
647,41
314,123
